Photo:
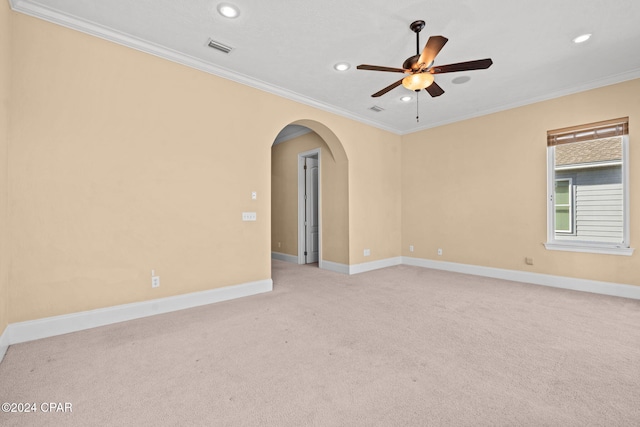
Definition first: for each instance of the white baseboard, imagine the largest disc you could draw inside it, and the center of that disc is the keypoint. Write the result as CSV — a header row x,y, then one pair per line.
x,y
51,326
284,257
4,343
323,265
584,285
58,325
360,268
334,266
374,265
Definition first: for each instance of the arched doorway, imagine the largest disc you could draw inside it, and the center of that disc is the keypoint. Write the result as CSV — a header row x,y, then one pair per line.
x,y
294,193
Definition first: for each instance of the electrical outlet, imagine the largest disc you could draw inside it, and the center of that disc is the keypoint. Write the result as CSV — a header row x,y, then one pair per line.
x,y
528,261
155,281
410,248
254,195
367,252
439,251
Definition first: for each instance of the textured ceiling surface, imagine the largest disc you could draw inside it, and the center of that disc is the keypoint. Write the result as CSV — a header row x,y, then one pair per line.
x,y
290,47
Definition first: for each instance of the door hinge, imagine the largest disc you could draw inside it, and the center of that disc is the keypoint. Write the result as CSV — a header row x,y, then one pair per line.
x,y
305,253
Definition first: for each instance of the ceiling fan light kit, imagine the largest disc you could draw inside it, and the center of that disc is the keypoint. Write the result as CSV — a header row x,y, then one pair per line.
x,y
418,81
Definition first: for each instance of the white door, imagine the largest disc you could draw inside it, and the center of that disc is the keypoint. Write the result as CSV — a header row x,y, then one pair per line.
x,y
311,210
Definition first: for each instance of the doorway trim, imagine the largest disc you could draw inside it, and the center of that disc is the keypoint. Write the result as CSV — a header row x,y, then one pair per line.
x,y
315,153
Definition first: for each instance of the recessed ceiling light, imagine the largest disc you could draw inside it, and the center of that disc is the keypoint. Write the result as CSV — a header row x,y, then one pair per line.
x,y
228,10
342,66
581,39
406,98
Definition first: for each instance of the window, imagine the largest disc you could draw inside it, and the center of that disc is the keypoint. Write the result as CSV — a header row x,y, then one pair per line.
x,y
588,196
564,206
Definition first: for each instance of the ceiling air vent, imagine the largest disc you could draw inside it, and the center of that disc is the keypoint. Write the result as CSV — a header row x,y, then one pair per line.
x,y
219,46
376,109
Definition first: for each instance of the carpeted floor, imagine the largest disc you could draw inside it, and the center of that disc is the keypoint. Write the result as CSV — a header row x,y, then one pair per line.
x,y
402,346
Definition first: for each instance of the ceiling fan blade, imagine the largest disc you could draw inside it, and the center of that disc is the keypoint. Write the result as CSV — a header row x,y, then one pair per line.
x,y
387,89
479,64
378,68
431,49
434,89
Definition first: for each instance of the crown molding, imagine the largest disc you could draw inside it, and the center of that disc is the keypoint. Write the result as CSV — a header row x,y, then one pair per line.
x,y
56,17
594,84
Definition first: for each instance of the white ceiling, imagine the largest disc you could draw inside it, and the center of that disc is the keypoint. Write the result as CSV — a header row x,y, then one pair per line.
x,y
289,47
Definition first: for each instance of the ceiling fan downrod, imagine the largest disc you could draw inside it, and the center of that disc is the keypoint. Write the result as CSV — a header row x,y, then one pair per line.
x,y
416,27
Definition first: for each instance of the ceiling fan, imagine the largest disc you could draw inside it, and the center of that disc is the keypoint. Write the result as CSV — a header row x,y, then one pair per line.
x,y
420,68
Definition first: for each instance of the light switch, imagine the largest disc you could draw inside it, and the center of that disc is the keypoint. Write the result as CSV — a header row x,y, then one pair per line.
x,y
249,216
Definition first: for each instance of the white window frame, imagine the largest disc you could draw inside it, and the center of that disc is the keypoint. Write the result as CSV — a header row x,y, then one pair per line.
x,y
588,246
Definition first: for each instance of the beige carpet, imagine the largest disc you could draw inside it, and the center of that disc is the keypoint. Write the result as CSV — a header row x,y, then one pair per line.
x,y
402,346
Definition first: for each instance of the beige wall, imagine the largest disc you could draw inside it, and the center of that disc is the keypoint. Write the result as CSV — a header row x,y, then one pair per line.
x,y
122,162
284,195
477,188
334,198
375,198
5,49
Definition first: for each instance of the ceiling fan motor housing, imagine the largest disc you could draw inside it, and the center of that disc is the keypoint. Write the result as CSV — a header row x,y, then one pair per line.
x,y
411,63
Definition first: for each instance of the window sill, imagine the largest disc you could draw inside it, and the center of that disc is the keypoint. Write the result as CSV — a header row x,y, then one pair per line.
x,y
594,249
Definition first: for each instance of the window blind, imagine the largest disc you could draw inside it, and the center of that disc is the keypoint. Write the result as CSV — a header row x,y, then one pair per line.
x,y
605,129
